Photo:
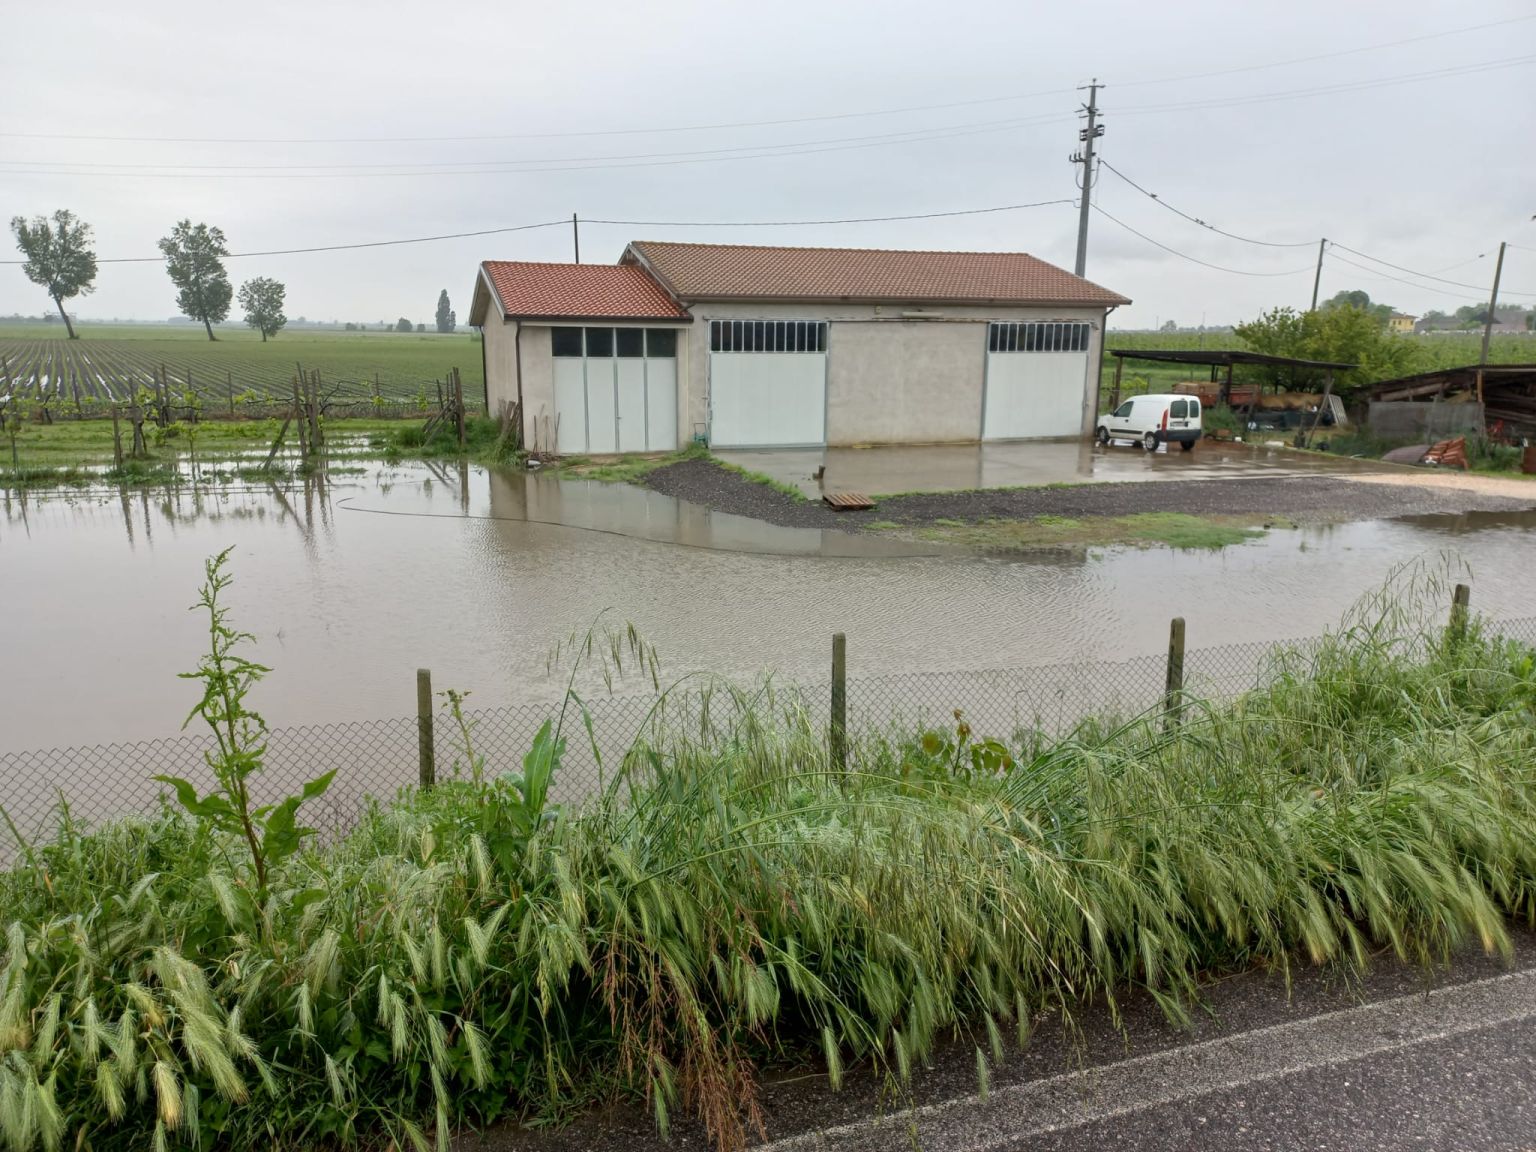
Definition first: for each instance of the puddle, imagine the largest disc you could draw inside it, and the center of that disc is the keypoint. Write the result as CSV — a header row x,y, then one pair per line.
x,y
354,582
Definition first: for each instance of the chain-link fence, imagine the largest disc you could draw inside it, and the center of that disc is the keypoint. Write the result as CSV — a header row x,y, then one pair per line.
x,y
376,758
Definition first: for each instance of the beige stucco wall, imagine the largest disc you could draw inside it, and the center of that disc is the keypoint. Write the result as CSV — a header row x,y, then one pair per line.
x,y
500,377
905,381
881,367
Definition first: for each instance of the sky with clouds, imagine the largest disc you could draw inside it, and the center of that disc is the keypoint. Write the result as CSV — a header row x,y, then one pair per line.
x,y
327,123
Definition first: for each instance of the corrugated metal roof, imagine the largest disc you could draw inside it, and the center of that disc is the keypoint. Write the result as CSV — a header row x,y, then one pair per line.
x,y
580,291
751,272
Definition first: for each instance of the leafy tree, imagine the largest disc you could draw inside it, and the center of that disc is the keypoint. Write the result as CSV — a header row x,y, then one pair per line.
x,y
404,325
262,300
1342,335
1169,326
194,259
447,319
59,257
421,327
1360,299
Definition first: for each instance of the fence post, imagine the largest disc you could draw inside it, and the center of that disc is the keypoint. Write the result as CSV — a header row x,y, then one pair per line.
x,y
1173,690
839,732
1461,603
425,754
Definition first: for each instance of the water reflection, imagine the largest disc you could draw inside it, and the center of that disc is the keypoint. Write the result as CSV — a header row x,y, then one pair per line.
x,y
352,581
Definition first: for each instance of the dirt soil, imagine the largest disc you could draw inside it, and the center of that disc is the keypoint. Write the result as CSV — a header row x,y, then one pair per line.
x,y
1299,499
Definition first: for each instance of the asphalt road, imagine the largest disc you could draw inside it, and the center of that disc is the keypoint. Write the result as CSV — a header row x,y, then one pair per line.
x,y
1399,1058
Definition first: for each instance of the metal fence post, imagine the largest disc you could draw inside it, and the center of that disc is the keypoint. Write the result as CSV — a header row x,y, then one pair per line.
x,y
1461,603
1173,690
839,733
425,754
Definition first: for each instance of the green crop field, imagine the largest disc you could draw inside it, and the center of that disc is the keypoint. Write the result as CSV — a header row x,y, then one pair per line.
x,y
110,361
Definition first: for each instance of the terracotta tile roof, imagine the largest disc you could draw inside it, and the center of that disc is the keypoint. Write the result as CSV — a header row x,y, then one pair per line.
x,y
580,291
750,272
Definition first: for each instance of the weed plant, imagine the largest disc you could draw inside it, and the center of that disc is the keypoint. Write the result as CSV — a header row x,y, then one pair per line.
x,y
730,902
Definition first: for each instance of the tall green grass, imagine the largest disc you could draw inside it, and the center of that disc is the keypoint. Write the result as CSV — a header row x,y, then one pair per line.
x,y
730,902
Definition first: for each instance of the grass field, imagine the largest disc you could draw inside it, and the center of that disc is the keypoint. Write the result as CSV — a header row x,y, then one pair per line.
x,y
109,361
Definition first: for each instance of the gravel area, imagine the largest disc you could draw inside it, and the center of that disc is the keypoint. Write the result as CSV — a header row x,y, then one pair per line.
x,y
1297,498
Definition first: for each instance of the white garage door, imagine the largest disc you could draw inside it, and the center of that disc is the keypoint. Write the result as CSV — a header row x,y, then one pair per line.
x,y
1035,377
767,383
615,389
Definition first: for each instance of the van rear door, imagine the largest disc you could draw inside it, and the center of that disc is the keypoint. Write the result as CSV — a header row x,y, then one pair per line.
x,y
1178,413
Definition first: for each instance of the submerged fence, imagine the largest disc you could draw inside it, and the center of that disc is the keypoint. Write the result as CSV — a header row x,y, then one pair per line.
x,y
377,758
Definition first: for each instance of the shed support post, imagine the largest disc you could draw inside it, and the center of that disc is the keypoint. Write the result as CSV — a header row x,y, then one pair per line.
x,y
1114,399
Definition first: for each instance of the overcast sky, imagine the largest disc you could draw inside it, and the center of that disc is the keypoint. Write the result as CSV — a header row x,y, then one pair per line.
x,y
339,123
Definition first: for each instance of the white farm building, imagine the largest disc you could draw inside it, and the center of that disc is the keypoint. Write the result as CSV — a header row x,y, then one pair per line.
x,y
746,346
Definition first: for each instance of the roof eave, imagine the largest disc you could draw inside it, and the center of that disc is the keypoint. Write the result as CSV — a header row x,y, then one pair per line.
x,y
571,318
951,301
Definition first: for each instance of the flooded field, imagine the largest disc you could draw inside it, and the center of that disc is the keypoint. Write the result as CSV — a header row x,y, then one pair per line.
x,y
352,583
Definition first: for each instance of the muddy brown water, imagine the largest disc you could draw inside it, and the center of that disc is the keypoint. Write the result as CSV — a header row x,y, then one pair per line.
x,y
352,583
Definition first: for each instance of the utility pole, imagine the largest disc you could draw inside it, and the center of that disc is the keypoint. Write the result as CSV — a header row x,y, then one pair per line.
x,y
1318,278
576,237
1087,136
1493,302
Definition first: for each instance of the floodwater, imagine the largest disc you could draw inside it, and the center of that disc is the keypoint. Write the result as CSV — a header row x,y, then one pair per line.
x,y
955,467
353,582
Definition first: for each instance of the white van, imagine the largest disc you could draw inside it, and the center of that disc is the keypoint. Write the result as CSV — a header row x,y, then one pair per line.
x,y
1153,420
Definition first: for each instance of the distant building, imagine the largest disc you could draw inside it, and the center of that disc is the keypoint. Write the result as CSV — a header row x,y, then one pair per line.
x,y
1402,323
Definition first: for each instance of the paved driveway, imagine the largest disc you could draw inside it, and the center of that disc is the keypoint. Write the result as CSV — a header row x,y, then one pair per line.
x,y
954,467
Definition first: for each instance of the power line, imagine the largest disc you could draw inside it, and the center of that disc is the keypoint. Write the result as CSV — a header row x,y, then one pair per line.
x,y
1329,89
1378,274
1194,259
1331,55
1425,275
762,152
631,223
1196,220
766,149
717,126
809,223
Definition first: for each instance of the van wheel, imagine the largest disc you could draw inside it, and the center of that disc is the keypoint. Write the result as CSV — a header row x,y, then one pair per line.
x,y
1187,446
1149,441
1103,437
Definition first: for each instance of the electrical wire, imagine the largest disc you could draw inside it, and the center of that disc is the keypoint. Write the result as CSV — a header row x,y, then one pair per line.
x,y
717,126
1328,89
1194,259
809,223
1196,220
1427,275
1380,275
562,223
1330,55
934,132
761,153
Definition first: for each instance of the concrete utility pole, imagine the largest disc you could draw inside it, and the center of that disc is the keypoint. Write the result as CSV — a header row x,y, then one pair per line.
x,y
576,237
1493,303
1317,279
1087,135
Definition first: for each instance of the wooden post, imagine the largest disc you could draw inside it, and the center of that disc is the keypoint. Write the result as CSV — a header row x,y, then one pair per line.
x,y
1114,399
838,743
298,409
425,753
277,442
1173,690
458,406
117,440
1304,438
231,382
1461,603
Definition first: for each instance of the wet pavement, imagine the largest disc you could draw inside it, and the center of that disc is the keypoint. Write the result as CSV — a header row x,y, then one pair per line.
x,y
958,467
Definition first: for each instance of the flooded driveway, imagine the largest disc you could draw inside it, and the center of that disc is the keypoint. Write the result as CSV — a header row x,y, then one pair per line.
x,y
959,467
353,583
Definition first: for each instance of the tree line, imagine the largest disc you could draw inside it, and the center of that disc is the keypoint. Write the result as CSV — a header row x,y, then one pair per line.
x,y
61,259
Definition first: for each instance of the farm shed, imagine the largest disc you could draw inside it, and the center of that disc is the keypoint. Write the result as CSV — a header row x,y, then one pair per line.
x,y
750,346
1506,393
